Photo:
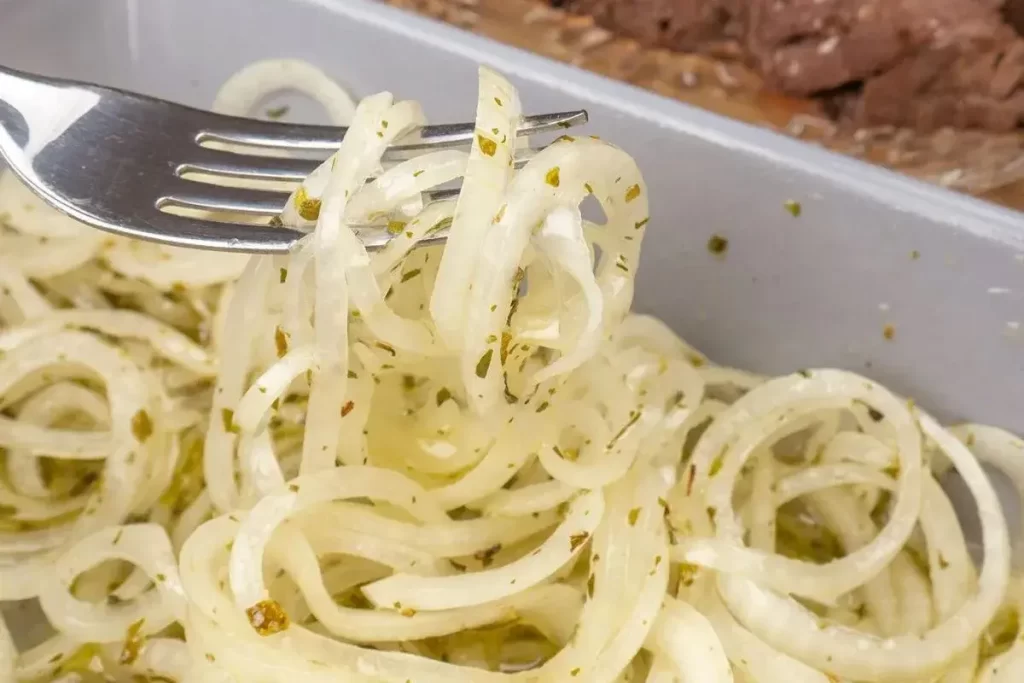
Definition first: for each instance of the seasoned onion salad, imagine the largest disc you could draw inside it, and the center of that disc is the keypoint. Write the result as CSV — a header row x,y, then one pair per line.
x,y
466,463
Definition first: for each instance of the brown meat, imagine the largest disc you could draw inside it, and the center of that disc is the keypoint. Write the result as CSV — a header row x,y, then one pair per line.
x,y
685,25
956,85
1013,11
808,46
922,63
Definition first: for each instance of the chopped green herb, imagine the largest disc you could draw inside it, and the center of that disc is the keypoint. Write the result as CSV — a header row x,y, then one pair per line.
x,y
443,394
552,177
396,227
284,275
132,643
632,193
267,617
718,245
506,339
142,426
716,464
633,516
280,341
442,224
410,274
634,418
275,113
793,207
227,418
484,364
487,146
576,540
486,556
308,207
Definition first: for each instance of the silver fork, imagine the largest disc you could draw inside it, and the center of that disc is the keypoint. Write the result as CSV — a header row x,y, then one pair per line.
x,y
116,161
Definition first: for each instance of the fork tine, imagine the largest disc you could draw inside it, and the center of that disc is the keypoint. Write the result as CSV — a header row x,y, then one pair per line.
x,y
254,201
199,233
208,197
275,135
229,164
251,166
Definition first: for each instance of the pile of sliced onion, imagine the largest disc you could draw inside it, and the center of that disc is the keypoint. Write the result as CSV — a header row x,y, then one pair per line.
x,y
457,464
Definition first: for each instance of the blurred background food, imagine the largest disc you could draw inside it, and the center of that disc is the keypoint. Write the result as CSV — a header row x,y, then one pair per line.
x,y
933,88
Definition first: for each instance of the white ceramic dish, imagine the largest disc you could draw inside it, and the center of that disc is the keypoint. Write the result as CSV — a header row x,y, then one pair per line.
x,y
869,248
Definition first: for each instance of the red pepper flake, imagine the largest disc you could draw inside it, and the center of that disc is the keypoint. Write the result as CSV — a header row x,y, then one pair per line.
x,y
632,193
347,408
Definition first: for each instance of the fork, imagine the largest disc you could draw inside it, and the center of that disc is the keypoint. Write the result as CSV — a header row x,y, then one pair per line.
x,y
117,161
